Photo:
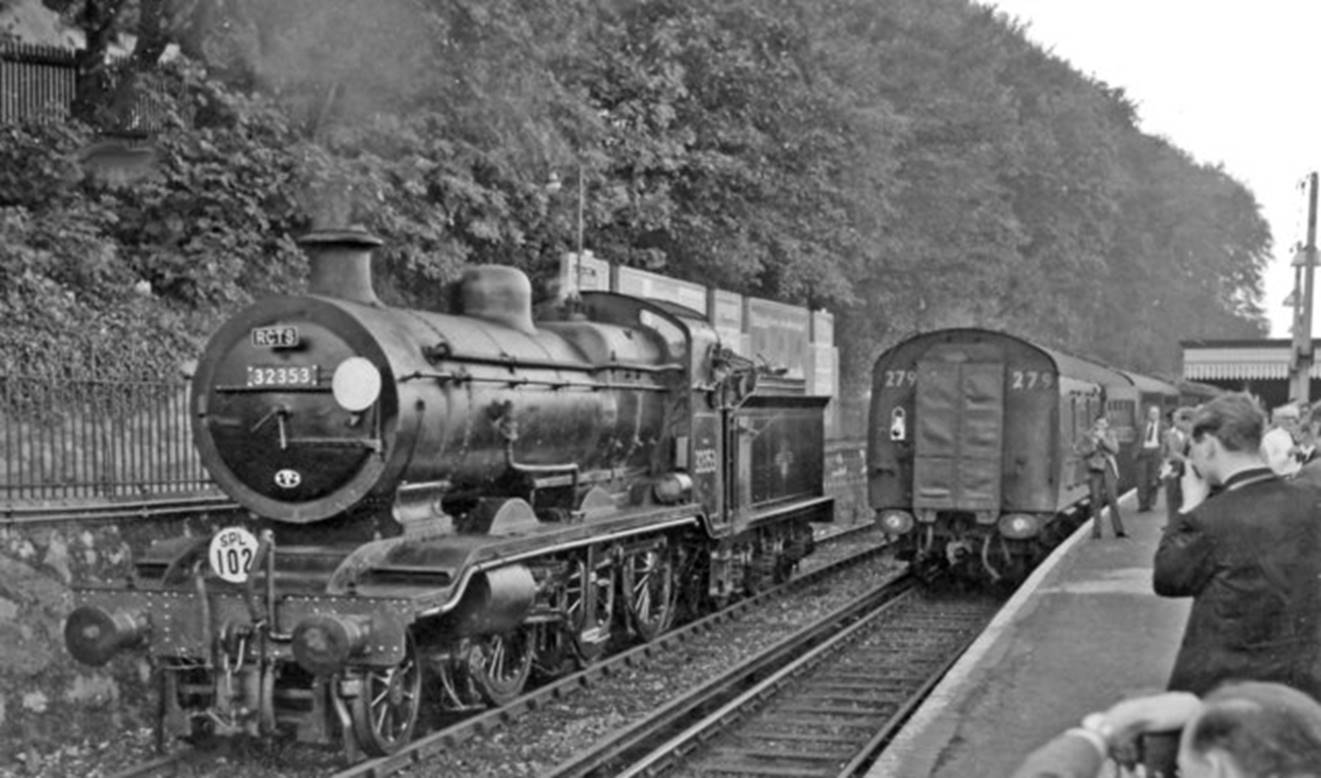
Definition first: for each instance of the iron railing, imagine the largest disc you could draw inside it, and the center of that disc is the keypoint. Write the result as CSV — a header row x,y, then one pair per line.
x,y
36,82
64,438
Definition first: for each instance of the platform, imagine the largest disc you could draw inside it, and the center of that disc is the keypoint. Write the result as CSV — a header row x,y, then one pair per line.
x,y
1084,631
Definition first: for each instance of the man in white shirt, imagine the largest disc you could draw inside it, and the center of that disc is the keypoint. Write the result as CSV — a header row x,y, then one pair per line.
x,y
1150,443
1277,445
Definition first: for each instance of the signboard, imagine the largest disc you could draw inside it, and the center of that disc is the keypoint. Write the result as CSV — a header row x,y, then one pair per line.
x,y
823,328
592,274
640,283
778,333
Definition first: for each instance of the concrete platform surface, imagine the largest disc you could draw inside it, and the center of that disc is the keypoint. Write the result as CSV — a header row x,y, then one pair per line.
x,y
1083,632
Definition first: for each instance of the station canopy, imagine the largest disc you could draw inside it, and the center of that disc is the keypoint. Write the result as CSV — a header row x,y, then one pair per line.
x,y
1240,360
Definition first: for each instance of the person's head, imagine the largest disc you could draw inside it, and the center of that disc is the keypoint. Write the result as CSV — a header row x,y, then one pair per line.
x,y
1226,436
1183,419
1153,413
1253,730
1286,416
1101,423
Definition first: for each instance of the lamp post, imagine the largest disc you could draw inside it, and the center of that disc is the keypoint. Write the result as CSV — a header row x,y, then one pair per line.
x,y
553,186
1305,262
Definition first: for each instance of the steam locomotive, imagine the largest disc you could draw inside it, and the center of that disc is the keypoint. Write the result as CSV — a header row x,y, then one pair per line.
x,y
442,506
972,458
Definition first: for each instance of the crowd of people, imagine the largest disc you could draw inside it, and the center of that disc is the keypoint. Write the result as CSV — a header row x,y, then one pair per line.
x,y
1243,540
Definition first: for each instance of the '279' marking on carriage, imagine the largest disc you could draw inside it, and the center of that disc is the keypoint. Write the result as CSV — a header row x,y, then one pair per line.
x,y
1031,379
1019,380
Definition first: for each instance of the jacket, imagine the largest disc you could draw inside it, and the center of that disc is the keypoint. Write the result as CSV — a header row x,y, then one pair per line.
x,y
1096,452
1175,450
1250,557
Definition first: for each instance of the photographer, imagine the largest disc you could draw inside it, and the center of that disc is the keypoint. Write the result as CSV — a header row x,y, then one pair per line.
x,y
1097,449
1175,450
1249,555
1240,730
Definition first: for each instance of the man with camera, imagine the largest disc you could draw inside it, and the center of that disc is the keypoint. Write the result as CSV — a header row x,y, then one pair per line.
x,y
1240,730
1097,449
1247,548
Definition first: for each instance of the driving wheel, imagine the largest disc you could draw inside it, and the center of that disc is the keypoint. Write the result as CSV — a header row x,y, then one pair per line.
x,y
648,582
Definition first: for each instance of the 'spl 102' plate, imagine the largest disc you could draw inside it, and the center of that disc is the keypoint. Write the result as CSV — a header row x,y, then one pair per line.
x,y
232,552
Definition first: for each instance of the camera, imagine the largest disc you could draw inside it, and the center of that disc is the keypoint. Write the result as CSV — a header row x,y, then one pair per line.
x,y
1159,753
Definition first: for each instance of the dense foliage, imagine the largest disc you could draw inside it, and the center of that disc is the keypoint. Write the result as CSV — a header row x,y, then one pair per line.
x,y
907,163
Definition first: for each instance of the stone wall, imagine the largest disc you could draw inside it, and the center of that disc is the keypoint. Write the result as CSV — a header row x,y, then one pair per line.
x,y
47,698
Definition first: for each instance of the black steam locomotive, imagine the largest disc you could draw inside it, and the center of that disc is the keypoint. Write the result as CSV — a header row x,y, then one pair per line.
x,y
442,505
972,463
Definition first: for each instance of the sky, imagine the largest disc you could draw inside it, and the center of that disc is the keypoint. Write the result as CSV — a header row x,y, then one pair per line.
x,y
1230,82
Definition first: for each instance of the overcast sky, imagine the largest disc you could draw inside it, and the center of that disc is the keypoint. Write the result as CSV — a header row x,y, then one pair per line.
x,y
1231,82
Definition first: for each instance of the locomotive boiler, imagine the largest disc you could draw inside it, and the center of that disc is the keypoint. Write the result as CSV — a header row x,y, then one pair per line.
x,y
443,505
972,458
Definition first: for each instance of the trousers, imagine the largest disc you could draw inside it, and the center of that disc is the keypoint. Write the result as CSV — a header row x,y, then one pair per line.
x,y
1148,475
1103,484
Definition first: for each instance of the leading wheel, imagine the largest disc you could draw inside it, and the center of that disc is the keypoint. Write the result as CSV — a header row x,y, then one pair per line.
x,y
385,710
649,595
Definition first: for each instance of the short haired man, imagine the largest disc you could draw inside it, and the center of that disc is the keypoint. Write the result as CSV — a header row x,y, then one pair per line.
x,y
1240,730
1148,458
1279,443
1249,556
1176,455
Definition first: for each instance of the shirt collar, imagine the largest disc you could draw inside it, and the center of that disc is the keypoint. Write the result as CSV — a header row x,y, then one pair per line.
x,y
1244,477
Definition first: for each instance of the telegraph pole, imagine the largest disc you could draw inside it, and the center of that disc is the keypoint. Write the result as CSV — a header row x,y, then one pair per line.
x,y
1302,325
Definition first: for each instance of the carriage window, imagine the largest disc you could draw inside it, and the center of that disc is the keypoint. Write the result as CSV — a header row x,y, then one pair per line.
x,y
1120,412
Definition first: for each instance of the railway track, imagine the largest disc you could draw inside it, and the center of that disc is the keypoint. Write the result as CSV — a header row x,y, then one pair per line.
x,y
840,548
826,712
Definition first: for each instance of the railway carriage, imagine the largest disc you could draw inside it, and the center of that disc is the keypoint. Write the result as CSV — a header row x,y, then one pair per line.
x,y
971,447
1193,393
442,505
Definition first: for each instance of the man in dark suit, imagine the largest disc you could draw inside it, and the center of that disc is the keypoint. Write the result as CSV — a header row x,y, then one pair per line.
x,y
1150,443
1250,557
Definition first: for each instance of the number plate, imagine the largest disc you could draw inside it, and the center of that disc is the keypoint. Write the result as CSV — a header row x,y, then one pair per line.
x,y
275,337
278,376
231,554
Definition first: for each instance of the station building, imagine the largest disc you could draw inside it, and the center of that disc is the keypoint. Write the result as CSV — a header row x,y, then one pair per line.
x,y
1260,367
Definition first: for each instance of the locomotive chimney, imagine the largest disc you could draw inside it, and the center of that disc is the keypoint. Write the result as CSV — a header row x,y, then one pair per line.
x,y
341,263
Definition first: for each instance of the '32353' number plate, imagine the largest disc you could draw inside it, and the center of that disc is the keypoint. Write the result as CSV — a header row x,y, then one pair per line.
x,y
282,375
